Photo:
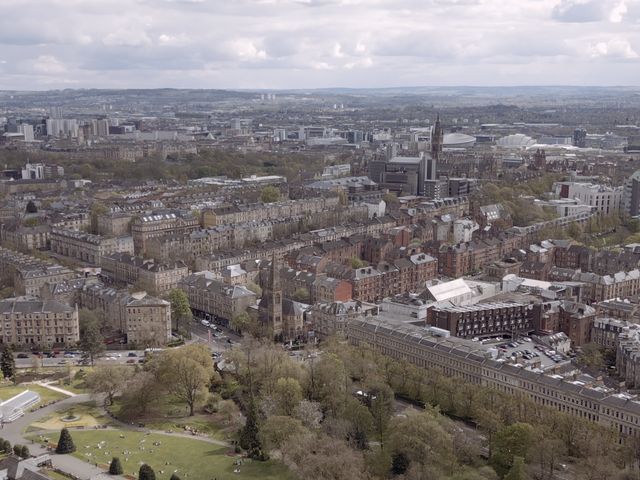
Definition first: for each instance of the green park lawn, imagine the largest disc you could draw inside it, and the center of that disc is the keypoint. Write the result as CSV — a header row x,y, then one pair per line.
x,y
89,415
46,396
194,459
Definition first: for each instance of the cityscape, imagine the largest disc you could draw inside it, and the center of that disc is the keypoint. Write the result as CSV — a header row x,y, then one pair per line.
x,y
293,264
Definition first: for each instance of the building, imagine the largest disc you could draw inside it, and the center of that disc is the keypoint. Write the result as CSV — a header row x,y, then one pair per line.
x,y
147,227
605,200
86,247
331,318
38,323
631,195
157,278
143,319
473,363
270,313
211,297
483,319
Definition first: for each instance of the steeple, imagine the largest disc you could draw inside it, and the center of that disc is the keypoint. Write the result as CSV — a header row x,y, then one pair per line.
x,y
437,138
270,306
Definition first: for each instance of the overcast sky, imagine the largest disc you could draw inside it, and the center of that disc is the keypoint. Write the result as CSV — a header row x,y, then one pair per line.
x,y
317,43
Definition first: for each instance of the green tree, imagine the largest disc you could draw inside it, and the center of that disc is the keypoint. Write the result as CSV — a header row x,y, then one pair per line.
x,y
7,362
31,207
255,288
65,442
174,477
518,470
591,355
270,194
241,322
17,450
146,473
399,463
302,295
381,408
250,433
91,340
24,452
276,430
287,394
511,441
115,468
187,372
180,309
108,380
5,446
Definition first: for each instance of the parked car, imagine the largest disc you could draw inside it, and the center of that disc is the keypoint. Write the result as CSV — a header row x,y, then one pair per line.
x,y
132,354
205,323
131,360
23,355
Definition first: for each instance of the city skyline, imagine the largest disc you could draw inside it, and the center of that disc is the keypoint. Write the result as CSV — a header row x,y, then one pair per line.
x,y
286,44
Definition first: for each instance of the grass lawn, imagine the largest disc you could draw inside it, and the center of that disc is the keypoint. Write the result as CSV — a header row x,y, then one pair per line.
x,y
89,416
192,459
169,414
46,396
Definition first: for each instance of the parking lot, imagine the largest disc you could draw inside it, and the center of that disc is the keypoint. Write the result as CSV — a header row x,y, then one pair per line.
x,y
527,352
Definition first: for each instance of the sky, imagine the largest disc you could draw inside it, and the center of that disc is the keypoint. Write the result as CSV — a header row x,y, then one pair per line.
x,y
283,44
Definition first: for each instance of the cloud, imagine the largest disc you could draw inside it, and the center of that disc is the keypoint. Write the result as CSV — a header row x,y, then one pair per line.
x,y
127,38
613,48
317,43
48,65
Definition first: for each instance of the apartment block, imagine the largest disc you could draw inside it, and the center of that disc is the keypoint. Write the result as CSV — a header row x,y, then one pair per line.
x,y
86,247
38,323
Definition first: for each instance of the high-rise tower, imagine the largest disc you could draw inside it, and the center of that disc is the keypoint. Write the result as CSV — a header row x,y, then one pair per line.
x,y
437,139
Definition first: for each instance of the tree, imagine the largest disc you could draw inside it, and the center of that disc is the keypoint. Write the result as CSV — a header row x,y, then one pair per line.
x,y
241,322
399,463
174,477
591,355
276,430
5,446
249,435
511,441
287,394
270,194
180,309
115,468
255,288
139,393
7,362
91,340
319,457
518,470
24,452
146,473
381,408
65,442
31,207
302,295
107,380
187,372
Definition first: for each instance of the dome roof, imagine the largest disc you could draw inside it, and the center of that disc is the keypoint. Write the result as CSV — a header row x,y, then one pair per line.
x,y
458,140
517,140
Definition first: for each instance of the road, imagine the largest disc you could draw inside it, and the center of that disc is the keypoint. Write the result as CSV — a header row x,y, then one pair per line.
x,y
108,357
13,432
219,343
